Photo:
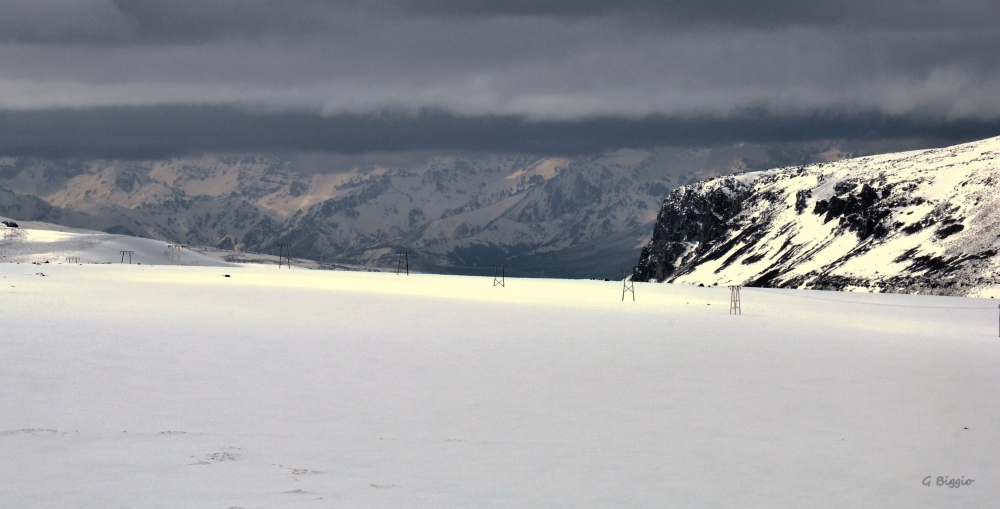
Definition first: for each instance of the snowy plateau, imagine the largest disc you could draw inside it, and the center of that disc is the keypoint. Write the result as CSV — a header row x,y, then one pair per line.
x,y
917,222
225,385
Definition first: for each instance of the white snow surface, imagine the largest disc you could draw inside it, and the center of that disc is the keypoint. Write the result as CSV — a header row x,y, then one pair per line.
x,y
38,242
139,386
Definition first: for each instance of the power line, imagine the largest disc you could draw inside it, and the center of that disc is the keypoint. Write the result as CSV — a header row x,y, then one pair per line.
x,y
403,262
501,271
175,253
628,285
285,255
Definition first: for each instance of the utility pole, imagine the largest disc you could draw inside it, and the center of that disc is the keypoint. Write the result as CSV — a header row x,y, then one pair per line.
x,y
734,301
499,275
628,285
129,253
403,262
285,255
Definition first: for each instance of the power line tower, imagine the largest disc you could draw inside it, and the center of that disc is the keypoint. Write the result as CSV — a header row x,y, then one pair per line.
x,y
734,301
129,253
403,262
500,275
628,285
285,255
175,253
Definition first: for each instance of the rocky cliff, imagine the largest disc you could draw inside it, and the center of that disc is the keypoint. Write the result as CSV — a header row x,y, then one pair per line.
x,y
916,222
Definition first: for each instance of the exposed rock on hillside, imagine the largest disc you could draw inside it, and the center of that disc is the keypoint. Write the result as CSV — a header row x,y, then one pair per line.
x,y
916,222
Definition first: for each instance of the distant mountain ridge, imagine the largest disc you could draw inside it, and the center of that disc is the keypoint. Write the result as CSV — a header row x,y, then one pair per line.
x,y
454,214
580,216
916,222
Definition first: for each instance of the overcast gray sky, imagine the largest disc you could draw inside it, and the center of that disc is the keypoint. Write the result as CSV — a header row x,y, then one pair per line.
x,y
159,76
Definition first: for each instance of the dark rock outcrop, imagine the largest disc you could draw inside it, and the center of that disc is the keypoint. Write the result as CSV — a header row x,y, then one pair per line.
x,y
924,222
691,221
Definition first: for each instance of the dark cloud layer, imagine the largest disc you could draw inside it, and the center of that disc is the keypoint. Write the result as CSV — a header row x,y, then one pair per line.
x,y
177,21
735,13
163,76
156,132
193,21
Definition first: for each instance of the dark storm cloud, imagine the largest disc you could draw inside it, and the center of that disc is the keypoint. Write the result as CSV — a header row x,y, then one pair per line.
x,y
195,21
177,21
156,132
147,77
199,20
735,13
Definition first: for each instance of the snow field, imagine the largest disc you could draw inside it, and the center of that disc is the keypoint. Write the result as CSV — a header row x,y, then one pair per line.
x,y
158,386
36,242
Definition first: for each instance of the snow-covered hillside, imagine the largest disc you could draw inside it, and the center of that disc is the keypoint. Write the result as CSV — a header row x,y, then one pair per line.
x,y
129,386
916,222
45,243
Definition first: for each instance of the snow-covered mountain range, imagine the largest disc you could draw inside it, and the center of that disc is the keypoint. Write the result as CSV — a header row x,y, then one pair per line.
x,y
916,222
576,216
